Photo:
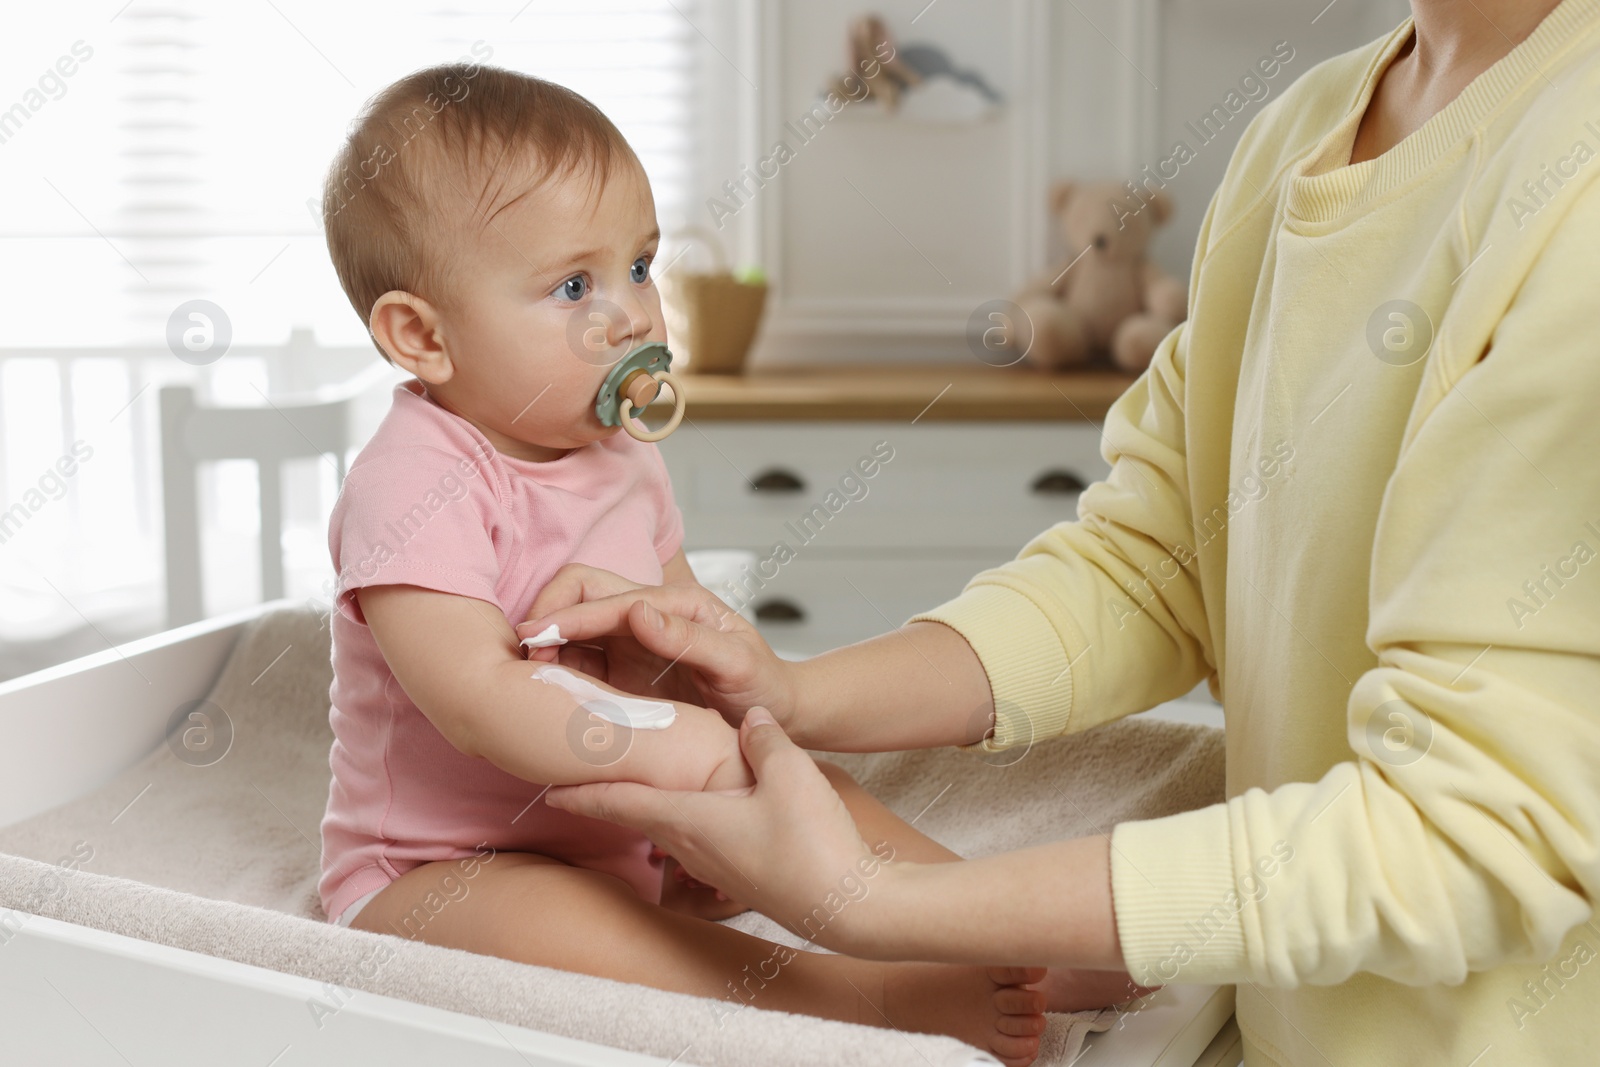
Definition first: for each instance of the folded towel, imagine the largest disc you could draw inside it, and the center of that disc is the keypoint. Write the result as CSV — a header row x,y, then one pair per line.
x,y
221,855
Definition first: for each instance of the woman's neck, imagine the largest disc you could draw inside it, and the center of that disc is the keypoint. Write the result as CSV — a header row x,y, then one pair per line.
x,y
1456,37
1453,41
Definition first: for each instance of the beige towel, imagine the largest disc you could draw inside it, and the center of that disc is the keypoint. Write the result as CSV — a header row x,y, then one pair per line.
x,y
224,859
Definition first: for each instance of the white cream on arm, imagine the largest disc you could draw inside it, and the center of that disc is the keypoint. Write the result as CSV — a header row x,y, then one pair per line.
x,y
633,712
545,638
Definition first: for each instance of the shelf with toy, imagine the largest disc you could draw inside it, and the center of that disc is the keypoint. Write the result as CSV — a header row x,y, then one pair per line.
x,y
914,83
928,393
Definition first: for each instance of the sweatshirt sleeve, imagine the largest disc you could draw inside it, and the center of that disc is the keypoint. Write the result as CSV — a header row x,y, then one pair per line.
x,y
1464,831
1052,628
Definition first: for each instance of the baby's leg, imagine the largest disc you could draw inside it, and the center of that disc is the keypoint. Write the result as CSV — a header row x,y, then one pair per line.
x,y
1065,988
537,910
877,823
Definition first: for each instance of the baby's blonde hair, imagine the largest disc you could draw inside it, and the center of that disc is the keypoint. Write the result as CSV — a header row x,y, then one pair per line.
x,y
447,143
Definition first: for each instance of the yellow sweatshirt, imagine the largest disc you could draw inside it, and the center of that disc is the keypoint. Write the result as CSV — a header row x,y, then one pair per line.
x,y
1359,491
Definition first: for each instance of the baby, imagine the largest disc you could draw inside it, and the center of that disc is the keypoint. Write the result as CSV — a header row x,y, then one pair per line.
x,y
496,233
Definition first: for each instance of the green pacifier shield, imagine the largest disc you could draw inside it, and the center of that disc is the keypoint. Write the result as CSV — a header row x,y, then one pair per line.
x,y
650,358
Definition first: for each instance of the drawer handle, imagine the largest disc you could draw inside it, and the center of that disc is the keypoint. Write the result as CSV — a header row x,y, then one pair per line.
x,y
779,611
777,481
1059,482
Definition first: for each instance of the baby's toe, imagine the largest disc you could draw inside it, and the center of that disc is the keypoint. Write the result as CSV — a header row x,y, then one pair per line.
x,y
1017,975
1019,1000
1015,1051
1021,1025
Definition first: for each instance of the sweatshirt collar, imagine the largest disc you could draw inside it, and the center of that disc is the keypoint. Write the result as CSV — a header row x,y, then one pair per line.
x,y
1325,184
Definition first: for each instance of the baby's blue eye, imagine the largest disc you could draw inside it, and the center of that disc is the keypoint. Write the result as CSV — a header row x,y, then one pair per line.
x,y
575,287
641,271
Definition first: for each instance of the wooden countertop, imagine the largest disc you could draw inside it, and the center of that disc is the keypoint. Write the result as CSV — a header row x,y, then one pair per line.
x,y
911,392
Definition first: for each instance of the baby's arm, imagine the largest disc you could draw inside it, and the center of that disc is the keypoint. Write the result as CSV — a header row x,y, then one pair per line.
x,y
458,660
676,570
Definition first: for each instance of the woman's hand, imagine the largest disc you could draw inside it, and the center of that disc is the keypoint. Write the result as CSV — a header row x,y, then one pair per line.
x,y
786,846
677,641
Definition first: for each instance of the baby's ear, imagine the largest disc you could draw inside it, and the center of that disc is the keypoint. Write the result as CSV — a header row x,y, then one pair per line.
x,y
405,326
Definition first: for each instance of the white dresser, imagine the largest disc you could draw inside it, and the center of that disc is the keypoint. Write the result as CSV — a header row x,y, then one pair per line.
x,y
841,556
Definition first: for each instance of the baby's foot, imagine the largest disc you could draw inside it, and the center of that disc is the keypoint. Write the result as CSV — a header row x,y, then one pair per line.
x,y
1074,989
994,1008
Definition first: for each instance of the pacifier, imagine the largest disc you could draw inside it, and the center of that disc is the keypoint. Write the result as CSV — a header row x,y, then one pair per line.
x,y
633,385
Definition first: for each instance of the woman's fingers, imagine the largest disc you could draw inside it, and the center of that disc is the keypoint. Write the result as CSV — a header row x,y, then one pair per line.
x,y
574,584
653,812
706,652
667,818
670,820
781,846
770,753
677,638
683,625
606,615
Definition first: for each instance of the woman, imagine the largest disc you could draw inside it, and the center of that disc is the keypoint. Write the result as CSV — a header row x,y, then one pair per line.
x,y
1356,491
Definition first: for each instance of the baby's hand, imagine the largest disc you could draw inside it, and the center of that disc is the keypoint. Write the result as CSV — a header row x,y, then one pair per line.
x,y
732,773
681,893
698,751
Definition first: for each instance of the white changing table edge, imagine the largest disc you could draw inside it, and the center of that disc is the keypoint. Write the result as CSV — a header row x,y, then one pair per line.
x,y
111,1000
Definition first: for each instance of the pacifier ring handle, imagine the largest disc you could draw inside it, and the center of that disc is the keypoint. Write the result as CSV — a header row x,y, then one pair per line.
x,y
680,403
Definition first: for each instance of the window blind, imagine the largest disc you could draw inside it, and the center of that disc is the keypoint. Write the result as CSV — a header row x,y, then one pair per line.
x,y
172,150
182,158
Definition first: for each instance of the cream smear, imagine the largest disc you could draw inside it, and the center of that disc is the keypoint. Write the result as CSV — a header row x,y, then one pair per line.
x,y
633,712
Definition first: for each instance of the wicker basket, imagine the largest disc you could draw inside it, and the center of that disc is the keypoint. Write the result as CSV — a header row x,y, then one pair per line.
x,y
716,315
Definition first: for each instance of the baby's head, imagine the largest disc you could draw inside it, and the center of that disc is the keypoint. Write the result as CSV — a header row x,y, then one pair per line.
x,y
495,232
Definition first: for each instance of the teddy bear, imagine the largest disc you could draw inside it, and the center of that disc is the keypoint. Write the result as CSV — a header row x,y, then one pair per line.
x,y
1106,298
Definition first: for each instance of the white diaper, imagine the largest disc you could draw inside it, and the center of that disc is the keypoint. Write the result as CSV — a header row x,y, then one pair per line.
x,y
360,902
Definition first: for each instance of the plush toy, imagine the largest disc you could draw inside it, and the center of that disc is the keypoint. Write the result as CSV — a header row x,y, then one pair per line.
x,y
1106,298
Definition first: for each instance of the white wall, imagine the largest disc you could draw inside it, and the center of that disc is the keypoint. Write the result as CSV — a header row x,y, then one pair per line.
x,y
881,236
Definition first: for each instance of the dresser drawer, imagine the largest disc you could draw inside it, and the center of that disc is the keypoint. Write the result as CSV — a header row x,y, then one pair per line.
x,y
814,604
847,486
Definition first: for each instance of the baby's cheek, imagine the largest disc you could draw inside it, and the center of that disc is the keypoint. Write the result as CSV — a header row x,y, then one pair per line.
x,y
565,406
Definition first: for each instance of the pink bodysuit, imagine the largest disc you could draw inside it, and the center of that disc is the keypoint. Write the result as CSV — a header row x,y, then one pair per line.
x,y
429,502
